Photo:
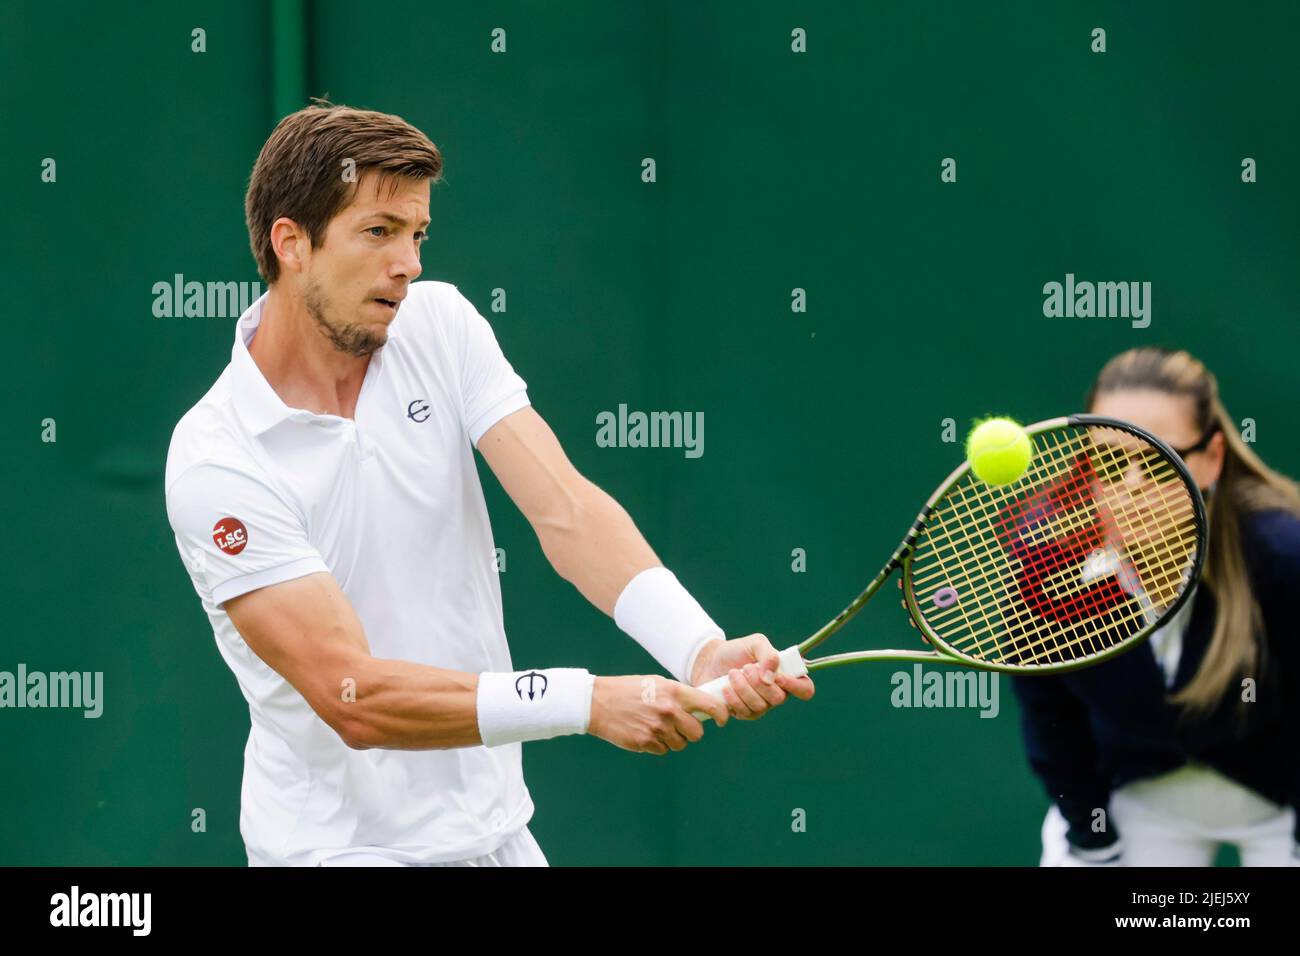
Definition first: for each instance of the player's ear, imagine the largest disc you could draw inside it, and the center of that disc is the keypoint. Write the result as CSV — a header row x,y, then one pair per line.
x,y
290,243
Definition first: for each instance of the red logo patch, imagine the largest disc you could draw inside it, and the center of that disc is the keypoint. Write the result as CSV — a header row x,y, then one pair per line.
x,y
230,535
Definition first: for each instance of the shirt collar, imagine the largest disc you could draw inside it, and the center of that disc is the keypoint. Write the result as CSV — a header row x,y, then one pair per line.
x,y
256,402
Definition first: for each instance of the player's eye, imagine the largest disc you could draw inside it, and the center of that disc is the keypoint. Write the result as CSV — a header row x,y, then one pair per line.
x,y
376,231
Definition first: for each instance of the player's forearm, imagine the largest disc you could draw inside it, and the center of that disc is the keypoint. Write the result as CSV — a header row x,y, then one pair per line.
x,y
403,706
595,546
399,705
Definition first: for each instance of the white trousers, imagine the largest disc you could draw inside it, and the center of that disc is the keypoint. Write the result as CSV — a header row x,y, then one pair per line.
x,y
1180,819
520,850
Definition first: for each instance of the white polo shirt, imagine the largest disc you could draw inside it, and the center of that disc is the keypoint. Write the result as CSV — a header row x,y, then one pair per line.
x,y
389,504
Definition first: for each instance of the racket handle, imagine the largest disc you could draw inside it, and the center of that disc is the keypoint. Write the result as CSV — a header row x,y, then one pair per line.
x,y
792,663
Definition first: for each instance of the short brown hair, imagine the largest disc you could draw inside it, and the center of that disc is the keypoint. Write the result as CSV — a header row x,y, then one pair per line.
x,y
299,173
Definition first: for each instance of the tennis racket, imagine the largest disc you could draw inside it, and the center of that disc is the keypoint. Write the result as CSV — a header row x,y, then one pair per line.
x,y
1095,547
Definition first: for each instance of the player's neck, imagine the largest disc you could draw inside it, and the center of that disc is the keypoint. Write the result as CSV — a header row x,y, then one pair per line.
x,y
301,364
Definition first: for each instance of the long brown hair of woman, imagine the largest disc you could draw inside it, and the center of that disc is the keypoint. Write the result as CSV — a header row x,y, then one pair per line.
x,y
1245,485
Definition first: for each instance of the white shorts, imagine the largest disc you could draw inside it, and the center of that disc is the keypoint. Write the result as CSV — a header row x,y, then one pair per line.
x,y
1180,819
520,850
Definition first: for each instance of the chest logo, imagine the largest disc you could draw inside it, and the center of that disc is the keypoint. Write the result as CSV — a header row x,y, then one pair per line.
x,y
418,410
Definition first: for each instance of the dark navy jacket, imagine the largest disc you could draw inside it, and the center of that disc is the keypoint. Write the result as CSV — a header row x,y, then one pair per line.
x,y
1090,731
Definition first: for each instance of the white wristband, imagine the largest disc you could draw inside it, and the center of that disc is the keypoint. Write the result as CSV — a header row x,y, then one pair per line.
x,y
533,705
660,615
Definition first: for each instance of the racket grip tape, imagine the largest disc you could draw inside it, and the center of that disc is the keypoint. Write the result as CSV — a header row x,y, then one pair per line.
x,y
792,663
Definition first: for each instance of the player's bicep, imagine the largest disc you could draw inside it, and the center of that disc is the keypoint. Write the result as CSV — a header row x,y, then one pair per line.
x,y
527,459
246,547
307,631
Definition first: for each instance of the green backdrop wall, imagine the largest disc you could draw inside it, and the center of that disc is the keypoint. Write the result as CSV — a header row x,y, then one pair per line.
x,y
775,171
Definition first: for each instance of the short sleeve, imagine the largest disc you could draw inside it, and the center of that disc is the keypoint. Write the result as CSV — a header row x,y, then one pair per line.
x,y
235,533
490,387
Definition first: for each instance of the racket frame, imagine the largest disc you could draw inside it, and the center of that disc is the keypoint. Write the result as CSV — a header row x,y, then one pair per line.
x,y
944,653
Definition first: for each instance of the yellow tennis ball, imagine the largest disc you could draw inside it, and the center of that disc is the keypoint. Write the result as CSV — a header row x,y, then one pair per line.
x,y
998,450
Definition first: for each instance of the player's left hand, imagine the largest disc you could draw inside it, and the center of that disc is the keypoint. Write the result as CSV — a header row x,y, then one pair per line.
x,y
751,664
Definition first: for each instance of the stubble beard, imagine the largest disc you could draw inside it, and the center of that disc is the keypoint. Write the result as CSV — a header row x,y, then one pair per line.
x,y
347,337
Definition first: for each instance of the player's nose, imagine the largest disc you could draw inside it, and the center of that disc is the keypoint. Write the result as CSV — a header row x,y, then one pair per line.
x,y
409,265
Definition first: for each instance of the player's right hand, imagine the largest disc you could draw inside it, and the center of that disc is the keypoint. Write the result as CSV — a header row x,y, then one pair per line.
x,y
650,714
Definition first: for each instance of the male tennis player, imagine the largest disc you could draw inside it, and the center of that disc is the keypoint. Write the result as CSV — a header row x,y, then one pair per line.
x,y
325,499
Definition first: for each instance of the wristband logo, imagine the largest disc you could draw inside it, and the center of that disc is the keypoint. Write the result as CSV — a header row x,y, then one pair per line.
x,y
230,535
530,680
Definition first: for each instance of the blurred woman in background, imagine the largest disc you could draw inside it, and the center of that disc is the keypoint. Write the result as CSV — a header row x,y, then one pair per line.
x,y
1159,756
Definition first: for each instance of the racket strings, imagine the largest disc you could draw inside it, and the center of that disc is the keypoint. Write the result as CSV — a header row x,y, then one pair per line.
x,y
955,522
1087,636
1058,583
1016,555
959,515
